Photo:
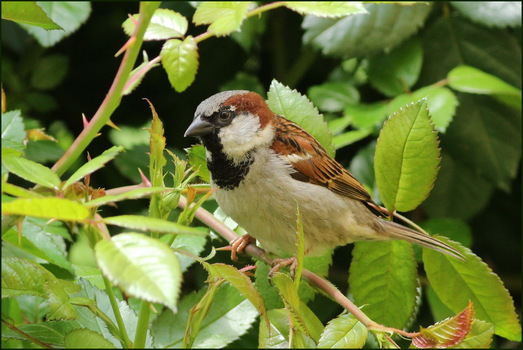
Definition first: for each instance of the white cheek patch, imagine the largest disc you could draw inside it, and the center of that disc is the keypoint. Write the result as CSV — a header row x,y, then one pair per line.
x,y
243,135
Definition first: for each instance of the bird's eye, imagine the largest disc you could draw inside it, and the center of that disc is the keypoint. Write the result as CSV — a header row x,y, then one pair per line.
x,y
225,115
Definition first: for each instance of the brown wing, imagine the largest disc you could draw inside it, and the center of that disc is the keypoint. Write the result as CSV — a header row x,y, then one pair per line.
x,y
312,162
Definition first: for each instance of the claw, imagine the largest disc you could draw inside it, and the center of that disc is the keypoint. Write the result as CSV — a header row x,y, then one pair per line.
x,y
277,264
238,245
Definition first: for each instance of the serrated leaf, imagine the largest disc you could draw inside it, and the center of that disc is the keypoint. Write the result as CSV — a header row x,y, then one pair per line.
x,y
165,24
491,14
441,102
395,72
241,282
278,335
296,107
180,61
472,80
132,194
446,333
145,223
289,294
344,331
13,130
69,15
456,282
479,336
383,276
27,12
224,17
226,321
47,207
93,165
142,266
198,160
326,8
32,171
50,332
363,35
25,277
86,339
407,158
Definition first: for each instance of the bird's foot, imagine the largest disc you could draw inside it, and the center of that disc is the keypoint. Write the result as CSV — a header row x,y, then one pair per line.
x,y
238,245
277,264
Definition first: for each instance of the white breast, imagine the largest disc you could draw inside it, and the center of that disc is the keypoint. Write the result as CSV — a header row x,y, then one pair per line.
x,y
265,205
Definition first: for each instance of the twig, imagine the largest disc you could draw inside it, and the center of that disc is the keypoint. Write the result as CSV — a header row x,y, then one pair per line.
x,y
220,228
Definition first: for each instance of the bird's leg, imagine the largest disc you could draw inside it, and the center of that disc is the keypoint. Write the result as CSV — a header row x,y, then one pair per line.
x,y
277,264
237,245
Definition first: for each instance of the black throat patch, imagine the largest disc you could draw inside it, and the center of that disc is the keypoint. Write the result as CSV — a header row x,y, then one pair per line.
x,y
226,174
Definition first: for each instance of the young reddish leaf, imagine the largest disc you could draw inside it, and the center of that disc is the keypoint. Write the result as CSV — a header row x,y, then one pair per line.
x,y
446,333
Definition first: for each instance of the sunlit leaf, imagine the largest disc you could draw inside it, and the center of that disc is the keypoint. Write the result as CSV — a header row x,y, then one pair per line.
x,y
296,107
407,158
32,171
142,266
456,282
93,165
165,24
144,223
326,8
344,331
47,207
27,12
224,17
180,61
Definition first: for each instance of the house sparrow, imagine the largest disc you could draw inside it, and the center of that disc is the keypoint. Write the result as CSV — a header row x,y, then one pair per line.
x,y
263,166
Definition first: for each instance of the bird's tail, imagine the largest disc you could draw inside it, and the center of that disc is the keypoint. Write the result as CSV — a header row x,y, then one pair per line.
x,y
401,232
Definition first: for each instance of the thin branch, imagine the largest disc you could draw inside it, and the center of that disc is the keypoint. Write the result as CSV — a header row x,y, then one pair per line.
x,y
220,228
24,334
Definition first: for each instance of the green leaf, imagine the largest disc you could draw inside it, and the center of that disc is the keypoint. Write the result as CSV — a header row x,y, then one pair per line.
x,y
395,72
350,137
198,160
296,107
381,29
25,277
489,49
277,336
132,194
472,80
180,61
333,96
27,12
344,331
48,207
49,71
93,165
479,336
67,14
142,266
13,130
365,116
226,321
478,139
32,171
441,102
224,17
456,282
144,223
165,24
50,332
188,243
326,8
383,277
135,78
241,282
407,158
86,339
455,229
491,14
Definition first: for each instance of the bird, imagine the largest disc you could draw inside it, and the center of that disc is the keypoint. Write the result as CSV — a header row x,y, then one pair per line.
x,y
264,166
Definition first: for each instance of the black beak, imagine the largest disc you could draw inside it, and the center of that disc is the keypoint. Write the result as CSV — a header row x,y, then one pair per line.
x,y
199,127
